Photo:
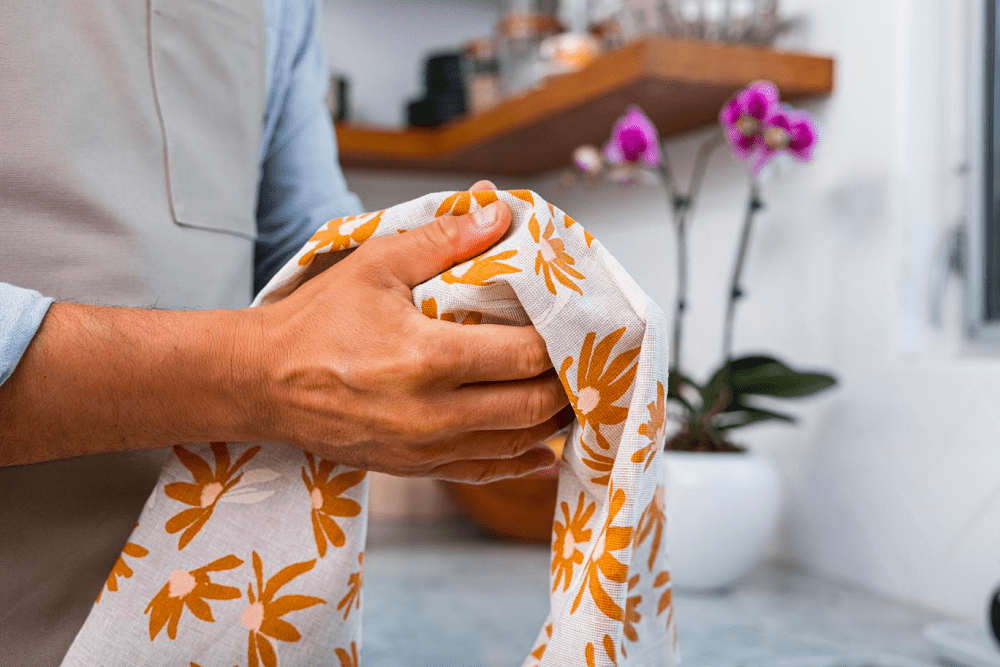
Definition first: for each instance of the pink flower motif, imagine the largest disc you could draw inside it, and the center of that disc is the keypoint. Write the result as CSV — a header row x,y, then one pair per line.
x,y
633,140
759,128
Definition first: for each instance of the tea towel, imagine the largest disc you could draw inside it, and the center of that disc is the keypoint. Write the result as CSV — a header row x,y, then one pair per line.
x,y
253,553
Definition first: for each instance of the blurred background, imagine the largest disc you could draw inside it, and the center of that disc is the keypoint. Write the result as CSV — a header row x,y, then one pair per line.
x,y
874,262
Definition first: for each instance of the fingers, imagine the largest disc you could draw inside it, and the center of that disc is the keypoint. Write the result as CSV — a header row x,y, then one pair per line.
x,y
481,472
485,353
484,445
482,185
426,251
508,405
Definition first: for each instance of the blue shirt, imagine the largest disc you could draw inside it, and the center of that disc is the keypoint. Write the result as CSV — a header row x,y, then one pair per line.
x,y
301,184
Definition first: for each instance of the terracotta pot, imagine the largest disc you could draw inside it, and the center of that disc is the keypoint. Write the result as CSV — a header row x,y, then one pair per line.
x,y
522,508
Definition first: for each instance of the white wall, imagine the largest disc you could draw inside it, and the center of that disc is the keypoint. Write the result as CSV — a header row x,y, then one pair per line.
x,y
895,477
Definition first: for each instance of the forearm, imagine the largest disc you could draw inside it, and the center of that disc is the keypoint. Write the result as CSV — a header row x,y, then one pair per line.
x,y
99,380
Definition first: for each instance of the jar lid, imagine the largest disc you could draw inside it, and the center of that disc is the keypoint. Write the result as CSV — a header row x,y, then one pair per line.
x,y
484,48
525,26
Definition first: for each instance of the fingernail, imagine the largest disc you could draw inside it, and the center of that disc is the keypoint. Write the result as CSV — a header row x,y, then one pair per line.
x,y
488,216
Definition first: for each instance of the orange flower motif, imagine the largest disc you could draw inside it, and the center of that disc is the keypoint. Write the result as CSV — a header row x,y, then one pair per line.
x,y
609,649
348,659
569,222
354,584
523,195
343,233
460,203
632,615
600,384
666,603
189,589
652,520
121,568
326,501
540,650
598,462
553,260
208,487
263,617
481,270
654,429
569,534
429,308
611,538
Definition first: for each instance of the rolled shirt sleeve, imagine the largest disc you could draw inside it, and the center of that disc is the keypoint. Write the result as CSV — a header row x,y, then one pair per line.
x,y
301,185
21,313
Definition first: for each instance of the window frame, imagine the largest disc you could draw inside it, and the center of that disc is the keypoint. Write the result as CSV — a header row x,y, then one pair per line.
x,y
982,305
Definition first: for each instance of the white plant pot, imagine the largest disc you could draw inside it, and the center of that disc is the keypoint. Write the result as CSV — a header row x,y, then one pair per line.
x,y
722,512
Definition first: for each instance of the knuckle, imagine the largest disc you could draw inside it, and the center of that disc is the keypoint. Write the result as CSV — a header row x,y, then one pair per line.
x,y
537,404
532,358
443,232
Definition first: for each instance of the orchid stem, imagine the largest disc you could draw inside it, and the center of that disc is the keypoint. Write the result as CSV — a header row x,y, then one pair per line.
x,y
754,204
681,206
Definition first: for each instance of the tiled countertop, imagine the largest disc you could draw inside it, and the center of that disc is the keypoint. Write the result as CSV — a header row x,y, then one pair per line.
x,y
444,595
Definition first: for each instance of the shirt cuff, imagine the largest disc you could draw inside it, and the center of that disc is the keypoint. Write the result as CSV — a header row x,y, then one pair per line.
x,y
21,313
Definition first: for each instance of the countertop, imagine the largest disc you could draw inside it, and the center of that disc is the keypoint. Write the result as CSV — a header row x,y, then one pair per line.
x,y
446,595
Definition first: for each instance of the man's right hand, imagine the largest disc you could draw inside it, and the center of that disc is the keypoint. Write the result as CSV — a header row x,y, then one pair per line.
x,y
347,368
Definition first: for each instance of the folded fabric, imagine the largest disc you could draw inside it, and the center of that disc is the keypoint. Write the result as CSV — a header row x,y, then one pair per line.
x,y
255,552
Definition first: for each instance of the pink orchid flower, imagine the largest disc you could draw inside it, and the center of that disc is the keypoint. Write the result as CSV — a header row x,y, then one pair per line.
x,y
788,131
745,116
759,127
634,140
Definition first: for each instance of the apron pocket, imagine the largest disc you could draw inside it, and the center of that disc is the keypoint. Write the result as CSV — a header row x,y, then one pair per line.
x,y
209,73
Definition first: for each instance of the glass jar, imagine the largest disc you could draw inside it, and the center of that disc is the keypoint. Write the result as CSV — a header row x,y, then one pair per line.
x,y
519,43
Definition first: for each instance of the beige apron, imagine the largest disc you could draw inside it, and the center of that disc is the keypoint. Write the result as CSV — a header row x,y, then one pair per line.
x,y
129,165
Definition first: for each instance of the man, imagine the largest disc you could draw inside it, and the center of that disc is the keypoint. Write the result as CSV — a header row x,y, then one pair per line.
x,y
153,154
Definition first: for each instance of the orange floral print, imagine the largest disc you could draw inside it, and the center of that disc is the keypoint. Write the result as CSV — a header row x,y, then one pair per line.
x,y
460,203
348,659
354,583
569,222
326,501
666,602
611,538
429,308
609,649
652,521
208,487
263,617
654,429
570,533
523,195
599,387
540,651
189,589
598,462
632,615
481,270
121,568
552,260
343,233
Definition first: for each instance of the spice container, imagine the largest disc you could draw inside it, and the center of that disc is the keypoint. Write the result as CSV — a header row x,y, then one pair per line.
x,y
482,74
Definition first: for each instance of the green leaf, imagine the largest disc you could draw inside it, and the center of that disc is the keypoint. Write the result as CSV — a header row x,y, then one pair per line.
x,y
745,415
761,375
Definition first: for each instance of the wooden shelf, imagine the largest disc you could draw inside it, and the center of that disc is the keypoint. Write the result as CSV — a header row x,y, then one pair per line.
x,y
680,84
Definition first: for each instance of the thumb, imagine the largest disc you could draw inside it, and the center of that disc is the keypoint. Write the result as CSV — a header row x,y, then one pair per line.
x,y
424,252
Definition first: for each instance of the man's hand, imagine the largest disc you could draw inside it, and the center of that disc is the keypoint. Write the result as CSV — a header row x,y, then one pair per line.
x,y
355,373
345,367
